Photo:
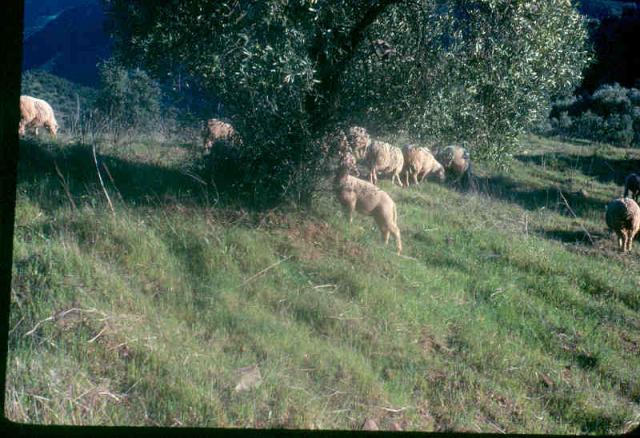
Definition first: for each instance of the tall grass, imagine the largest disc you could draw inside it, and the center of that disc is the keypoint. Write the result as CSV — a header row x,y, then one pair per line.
x,y
501,316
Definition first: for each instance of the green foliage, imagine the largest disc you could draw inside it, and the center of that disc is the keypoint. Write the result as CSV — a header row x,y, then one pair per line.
x,y
610,115
478,71
128,99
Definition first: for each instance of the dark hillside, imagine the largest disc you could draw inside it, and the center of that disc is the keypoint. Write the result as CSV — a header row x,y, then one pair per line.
x,y
71,45
37,13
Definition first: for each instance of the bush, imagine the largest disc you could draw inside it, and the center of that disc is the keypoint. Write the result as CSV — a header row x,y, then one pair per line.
x,y
129,100
610,115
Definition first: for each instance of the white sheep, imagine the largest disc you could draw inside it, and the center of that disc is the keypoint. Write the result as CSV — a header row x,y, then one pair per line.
x,y
382,157
623,217
216,130
419,163
35,113
356,194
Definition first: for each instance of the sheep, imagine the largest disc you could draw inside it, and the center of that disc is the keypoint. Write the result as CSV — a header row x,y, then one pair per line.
x,y
216,130
419,162
623,217
632,184
35,113
382,157
356,194
358,140
456,161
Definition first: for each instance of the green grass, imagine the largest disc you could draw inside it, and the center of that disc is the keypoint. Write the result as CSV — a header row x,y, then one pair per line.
x,y
501,316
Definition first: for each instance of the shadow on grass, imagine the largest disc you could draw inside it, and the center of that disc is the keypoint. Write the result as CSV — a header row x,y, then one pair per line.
x,y
573,236
603,170
134,183
508,189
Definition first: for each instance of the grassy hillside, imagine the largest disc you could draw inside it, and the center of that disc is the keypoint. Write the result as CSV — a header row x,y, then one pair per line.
x,y
502,316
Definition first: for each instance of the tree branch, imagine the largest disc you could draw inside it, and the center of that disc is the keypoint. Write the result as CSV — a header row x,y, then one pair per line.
x,y
330,68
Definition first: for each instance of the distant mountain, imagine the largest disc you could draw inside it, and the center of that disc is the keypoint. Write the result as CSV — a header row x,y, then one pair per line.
x,y
70,42
37,13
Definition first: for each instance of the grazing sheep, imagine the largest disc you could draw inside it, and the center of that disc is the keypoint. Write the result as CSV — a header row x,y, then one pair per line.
x,y
218,131
382,157
632,184
358,140
623,218
420,163
356,194
35,113
456,161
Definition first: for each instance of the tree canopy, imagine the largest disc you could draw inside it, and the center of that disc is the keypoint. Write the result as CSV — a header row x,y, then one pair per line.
x,y
478,71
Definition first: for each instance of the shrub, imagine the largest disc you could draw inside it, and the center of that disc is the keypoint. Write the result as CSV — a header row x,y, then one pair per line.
x,y
610,115
128,99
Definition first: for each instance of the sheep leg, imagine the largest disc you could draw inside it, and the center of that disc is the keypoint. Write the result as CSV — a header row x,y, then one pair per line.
x,y
350,208
415,178
385,235
36,130
396,234
620,242
625,241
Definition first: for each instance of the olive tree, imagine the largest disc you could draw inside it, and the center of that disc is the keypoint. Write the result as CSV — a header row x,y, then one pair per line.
x,y
289,70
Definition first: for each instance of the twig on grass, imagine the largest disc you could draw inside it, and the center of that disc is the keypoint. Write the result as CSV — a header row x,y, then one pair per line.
x,y
394,411
98,335
112,181
65,185
256,275
38,324
104,189
576,217
59,315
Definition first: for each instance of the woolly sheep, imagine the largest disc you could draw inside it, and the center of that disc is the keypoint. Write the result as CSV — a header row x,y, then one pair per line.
x,y
419,162
455,160
356,194
216,130
623,217
358,140
382,157
632,184
35,113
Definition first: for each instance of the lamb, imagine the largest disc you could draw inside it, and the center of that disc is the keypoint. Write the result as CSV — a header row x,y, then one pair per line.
x,y
623,217
632,184
35,113
356,194
420,163
218,131
358,140
382,157
456,161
